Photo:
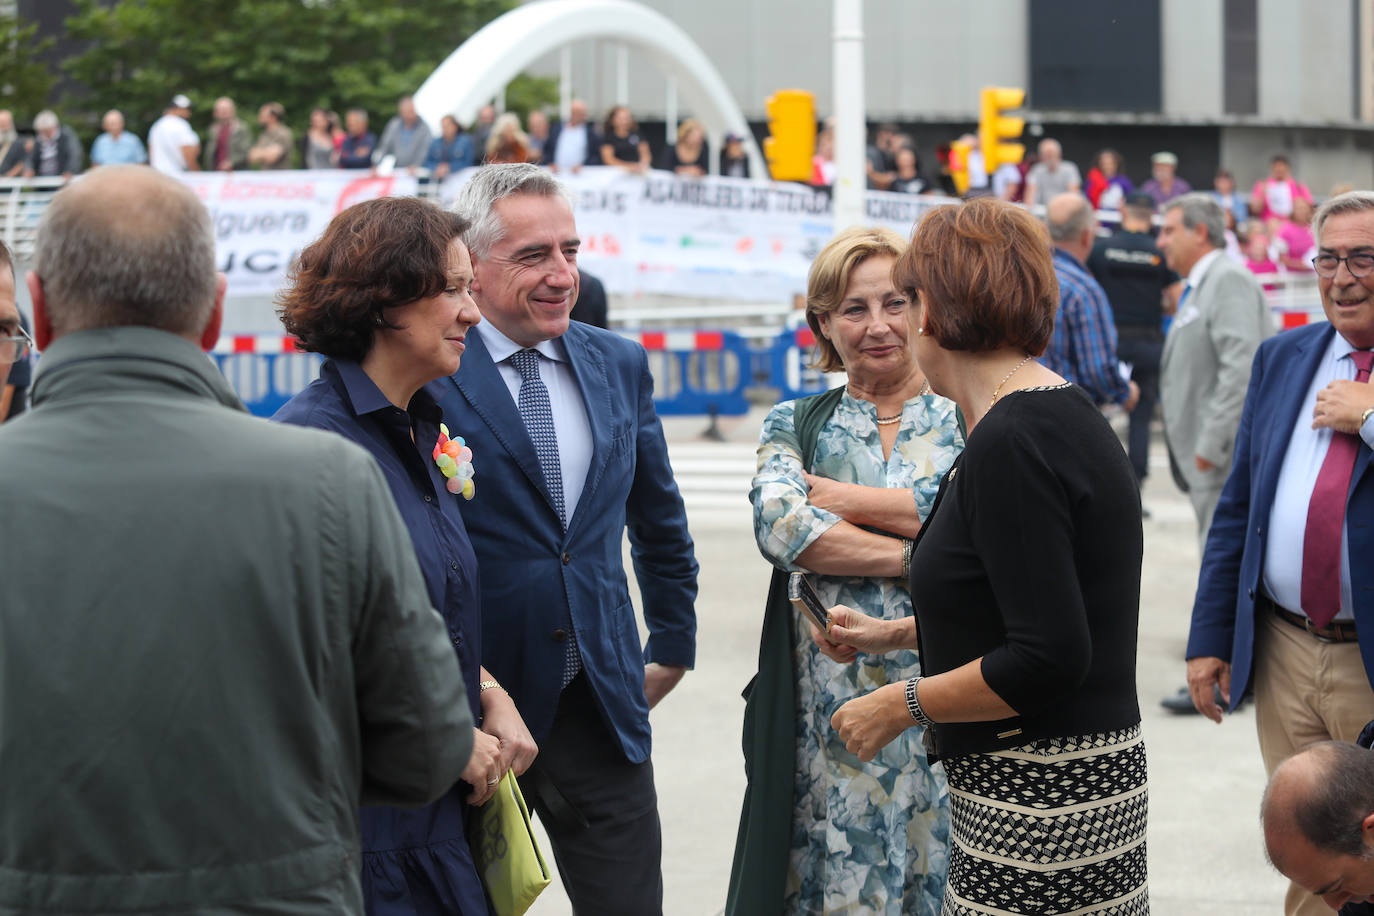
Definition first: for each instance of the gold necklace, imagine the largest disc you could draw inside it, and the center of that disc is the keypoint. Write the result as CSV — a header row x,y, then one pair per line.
x,y
998,389
896,417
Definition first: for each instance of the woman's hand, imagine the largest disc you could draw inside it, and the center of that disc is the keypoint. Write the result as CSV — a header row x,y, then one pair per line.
x,y
869,723
827,494
854,629
503,721
831,650
484,769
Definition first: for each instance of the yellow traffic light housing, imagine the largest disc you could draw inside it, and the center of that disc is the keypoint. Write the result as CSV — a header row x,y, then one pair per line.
x,y
958,164
792,128
995,128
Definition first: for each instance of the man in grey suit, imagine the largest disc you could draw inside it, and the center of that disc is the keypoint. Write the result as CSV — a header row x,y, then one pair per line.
x,y
1222,318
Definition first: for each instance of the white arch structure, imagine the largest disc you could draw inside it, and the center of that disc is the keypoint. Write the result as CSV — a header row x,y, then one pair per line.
x,y
481,67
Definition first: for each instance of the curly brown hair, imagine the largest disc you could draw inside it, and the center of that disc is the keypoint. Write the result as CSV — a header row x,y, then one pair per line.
x,y
987,272
376,255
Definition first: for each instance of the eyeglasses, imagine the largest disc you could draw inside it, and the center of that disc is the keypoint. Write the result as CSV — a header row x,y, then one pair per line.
x,y
16,347
1359,265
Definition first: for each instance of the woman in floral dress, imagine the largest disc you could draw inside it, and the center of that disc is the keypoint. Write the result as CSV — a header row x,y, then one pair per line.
x,y
867,838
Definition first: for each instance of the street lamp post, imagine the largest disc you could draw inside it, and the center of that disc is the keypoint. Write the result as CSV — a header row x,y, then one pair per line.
x,y
851,132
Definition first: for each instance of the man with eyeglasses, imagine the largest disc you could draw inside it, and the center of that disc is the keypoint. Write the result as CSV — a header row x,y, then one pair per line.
x,y
1287,583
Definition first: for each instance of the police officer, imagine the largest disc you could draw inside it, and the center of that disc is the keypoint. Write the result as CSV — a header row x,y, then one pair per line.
x,y
1138,284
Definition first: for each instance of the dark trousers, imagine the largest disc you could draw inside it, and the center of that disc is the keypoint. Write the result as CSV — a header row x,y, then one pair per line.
x,y
1143,349
600,810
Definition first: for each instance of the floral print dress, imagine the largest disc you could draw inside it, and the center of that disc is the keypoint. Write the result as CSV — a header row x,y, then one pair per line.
x,y
867,838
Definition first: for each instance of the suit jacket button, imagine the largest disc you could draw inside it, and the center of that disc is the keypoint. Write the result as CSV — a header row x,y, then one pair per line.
x,y
1251,593
560,635
567,558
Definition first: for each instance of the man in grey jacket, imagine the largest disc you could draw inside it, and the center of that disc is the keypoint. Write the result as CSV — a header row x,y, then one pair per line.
x,y
1221,320
405,136
216,641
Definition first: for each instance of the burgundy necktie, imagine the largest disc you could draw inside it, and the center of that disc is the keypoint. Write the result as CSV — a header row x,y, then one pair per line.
x,y
1321,542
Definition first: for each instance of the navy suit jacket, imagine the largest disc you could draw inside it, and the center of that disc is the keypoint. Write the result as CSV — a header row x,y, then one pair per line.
x,y
1233,562
536,577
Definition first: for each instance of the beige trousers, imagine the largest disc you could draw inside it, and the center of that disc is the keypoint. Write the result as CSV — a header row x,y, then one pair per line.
x,y
1306,691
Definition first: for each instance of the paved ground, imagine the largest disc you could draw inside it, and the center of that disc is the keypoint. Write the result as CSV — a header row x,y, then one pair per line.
x,y
1205,780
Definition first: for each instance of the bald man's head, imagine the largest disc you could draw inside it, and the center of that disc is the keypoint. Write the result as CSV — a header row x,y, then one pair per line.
x,y
1071,223
1318,816
1051,153
126,246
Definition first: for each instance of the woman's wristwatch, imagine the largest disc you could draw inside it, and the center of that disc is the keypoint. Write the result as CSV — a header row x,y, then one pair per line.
x,y
913,704
907,544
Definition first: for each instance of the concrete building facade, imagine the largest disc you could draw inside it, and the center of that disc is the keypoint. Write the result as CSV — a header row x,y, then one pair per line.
x,y
1222,83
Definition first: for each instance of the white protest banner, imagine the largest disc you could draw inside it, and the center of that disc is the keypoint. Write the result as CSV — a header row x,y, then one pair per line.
x,y
715,238
731,238
263,219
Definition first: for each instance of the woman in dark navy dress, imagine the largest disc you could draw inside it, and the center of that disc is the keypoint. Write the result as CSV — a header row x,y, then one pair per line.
x,y
385,294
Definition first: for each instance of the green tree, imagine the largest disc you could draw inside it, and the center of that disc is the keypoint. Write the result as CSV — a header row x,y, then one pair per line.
x,y
25,79
302,53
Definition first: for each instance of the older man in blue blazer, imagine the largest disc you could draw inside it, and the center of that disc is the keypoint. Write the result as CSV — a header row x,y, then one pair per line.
x,y
568,453
1285,598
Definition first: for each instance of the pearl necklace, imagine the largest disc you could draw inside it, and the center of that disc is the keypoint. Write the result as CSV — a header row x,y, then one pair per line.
x,y
998,389
896,417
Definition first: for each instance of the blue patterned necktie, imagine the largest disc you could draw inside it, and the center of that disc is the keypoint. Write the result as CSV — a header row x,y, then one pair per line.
x,y
533,403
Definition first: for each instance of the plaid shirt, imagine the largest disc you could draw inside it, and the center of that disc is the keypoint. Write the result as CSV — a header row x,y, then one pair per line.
x,y
1083,348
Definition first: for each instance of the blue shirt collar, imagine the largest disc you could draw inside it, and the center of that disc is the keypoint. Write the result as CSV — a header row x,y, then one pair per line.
x,y
1062,255
364,397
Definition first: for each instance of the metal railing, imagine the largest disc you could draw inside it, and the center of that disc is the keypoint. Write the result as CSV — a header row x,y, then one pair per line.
x,y
22,202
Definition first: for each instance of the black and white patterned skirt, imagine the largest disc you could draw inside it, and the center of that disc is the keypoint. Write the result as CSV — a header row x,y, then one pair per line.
x,y
1054,827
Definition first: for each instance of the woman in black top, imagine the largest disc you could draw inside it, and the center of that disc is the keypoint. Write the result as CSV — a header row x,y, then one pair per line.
x,y
621,146
689,156
1026,586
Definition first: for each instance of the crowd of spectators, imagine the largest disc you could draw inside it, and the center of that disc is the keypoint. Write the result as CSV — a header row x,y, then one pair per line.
x,y
230,143
1268,231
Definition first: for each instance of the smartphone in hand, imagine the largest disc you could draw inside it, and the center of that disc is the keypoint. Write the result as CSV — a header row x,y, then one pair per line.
x,y
804,598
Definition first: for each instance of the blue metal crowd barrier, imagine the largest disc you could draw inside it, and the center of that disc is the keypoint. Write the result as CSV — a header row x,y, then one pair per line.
x,y
787,364
265,372
697,372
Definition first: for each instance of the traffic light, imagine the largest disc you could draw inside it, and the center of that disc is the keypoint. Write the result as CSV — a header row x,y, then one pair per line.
x,y
995,128
792,128
958,164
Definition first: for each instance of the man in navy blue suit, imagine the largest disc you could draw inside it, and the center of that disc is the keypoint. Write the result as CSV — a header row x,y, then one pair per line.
x,y
1287,585
569,454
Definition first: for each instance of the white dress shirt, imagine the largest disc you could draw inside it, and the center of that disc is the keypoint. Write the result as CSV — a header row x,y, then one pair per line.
x,y
571,152
1301,464
1188,311
570,423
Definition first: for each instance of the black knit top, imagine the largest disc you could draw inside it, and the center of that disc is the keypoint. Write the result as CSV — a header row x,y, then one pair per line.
x,y
1030,559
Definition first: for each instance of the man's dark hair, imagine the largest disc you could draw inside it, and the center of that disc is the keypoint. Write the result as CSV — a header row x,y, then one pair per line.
x,y
1332,817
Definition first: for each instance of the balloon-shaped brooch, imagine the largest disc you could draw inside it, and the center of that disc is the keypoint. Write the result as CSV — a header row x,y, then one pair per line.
x,y
454,459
